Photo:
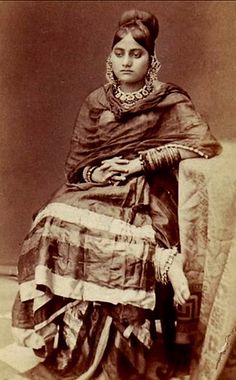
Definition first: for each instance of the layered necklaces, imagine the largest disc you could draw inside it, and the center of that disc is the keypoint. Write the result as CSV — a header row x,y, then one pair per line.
x,y
128,99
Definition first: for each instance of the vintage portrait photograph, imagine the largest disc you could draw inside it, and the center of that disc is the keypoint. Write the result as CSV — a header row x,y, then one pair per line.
x,y
118,190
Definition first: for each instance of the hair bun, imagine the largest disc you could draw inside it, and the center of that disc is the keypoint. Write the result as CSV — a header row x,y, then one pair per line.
x,y
149,20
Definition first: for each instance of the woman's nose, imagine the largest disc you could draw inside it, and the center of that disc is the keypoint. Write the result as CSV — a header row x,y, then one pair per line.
x,y
127,61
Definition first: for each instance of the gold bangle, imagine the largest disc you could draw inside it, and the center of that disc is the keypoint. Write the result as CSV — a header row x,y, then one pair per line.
x,y
89,174
141,160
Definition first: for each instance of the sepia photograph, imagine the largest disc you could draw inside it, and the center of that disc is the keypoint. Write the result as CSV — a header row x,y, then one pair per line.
x,y
118,190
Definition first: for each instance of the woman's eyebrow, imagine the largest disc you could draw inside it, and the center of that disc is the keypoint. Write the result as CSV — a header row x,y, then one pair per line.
x,y
136,49
131,50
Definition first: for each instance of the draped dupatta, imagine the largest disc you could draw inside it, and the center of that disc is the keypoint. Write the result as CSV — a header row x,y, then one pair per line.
x,y
88,257
105,129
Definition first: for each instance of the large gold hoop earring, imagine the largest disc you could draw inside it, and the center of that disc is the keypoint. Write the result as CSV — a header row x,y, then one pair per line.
x,y
109,72
152,73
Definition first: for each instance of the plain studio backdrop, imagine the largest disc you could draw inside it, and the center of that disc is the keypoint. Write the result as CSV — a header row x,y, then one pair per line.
x,y
52,54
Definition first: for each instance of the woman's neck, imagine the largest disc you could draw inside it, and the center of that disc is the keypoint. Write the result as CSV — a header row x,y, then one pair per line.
x,y
131,87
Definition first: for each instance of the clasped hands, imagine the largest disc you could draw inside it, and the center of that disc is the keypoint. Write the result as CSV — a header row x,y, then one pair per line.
x,y
115,170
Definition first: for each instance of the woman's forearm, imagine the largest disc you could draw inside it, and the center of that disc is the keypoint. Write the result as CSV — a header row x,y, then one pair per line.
x,y
187,154
136,165
177,154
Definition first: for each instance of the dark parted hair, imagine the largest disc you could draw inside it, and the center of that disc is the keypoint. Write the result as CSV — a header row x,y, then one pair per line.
x,y
143,27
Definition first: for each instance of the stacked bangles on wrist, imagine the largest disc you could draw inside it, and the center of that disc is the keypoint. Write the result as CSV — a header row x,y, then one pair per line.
x,y
88,172
157,158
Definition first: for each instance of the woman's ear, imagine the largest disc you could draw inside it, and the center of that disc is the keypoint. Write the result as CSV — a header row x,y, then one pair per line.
x,y
109,71
152,73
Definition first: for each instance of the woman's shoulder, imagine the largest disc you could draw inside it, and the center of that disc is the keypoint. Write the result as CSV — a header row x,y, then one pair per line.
x,y
97,95
170,89
170,95
96,99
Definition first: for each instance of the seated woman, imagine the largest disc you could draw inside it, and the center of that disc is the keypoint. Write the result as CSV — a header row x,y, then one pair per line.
x,y
90,264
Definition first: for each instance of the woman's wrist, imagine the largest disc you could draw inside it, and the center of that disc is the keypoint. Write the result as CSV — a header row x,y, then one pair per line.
x,y
88,174
135,166
159,158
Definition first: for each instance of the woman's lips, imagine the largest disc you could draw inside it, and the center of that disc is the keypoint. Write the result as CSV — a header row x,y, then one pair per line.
x,y
126,71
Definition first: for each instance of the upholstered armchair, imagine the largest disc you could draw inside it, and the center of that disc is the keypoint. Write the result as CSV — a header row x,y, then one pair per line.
x,y
207,220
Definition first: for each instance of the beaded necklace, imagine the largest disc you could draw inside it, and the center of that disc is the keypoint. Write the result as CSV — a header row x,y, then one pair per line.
x,y
128,99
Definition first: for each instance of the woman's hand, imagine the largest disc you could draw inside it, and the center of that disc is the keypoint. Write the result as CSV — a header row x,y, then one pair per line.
x,y
134,166
114,169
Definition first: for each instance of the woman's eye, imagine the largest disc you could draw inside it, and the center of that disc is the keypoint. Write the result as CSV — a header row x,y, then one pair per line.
x,y
118,53
137,54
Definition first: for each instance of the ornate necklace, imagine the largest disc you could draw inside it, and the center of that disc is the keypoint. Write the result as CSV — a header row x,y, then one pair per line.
x,y
128,99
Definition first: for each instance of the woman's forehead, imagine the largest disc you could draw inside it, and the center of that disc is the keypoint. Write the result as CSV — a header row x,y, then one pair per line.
x,y
128,43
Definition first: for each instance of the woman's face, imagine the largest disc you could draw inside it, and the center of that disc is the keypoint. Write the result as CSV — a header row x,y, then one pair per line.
x,y
130,63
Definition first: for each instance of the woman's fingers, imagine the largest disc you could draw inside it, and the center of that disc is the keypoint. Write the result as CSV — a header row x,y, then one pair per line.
x,y
118,169
114,161
186,294
178,299
118,178
114,168
121,161
118,173
181,295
